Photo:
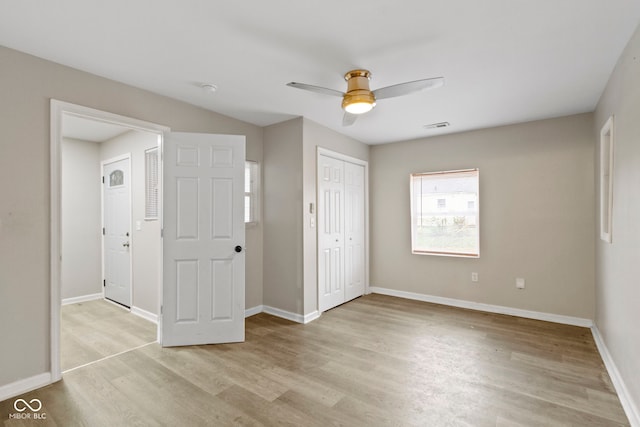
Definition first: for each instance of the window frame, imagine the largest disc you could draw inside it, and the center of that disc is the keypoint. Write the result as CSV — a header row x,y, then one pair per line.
x,y
253,193
606,180
415,249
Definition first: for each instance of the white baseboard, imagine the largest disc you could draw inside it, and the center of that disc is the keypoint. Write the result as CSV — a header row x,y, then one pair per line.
x,y
253,311
630,408
537,315
25,385
147,315
83,298
294,317
311,316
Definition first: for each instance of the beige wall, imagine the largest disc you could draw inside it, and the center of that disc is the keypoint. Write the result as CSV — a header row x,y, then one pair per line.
x,y
27,84
282,191
290,281
617,266
314,136
145,243
81,271
536,216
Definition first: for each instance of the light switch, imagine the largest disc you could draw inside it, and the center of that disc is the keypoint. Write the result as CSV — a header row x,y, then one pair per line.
x,y
138,225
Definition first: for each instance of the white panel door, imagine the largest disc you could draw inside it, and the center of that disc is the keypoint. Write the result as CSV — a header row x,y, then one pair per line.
x,y
330,232
117,228
204,237
354,230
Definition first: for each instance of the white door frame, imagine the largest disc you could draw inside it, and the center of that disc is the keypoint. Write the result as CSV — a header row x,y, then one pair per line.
x,y
103,163
339,156
58,110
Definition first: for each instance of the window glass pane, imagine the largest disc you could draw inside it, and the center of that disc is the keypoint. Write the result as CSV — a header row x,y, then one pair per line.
x,y
251,192
116,178
247,177
445,213
247,208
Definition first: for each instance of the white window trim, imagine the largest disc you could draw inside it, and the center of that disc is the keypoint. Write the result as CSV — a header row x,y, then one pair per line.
x,y
606,180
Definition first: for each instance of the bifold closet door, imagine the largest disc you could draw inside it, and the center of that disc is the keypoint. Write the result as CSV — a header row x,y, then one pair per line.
x,y
331,233
354,230
340,231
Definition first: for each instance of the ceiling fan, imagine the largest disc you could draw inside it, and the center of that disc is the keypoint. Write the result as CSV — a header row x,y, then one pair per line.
x,y
359,99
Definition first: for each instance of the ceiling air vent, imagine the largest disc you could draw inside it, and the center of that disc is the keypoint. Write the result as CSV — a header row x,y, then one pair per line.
x,y
437,125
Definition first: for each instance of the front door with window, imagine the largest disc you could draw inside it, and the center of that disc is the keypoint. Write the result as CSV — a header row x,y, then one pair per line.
x,y
117,231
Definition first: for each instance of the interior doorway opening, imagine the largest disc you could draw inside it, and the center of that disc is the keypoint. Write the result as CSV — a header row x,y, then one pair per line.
x,y
83,141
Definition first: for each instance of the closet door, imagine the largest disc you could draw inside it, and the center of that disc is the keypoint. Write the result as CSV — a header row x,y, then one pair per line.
x,y
330,232
354,231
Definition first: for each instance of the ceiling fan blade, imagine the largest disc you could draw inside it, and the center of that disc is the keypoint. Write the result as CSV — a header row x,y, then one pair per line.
x,y
348,119
317,89
408,87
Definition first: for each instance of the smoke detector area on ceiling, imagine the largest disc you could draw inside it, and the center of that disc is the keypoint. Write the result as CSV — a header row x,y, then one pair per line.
x,y
209,87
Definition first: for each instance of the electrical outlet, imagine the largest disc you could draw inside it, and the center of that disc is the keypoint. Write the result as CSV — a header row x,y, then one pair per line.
x,y
520,283
474,277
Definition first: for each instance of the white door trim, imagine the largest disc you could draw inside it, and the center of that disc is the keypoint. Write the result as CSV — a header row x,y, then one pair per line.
x,y
103,163
339,156
58,109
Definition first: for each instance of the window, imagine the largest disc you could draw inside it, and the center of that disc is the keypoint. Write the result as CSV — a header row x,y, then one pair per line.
x,y
116,178
151,182
606,179
444,213
251,201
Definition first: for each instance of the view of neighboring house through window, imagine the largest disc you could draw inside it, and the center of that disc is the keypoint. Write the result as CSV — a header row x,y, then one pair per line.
x,y
251,203
444,213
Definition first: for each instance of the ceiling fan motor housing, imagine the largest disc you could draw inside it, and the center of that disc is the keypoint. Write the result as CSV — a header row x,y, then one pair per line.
x,y
358,91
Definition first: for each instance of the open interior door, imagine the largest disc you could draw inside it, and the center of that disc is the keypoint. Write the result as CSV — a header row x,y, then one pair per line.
x,y
204,235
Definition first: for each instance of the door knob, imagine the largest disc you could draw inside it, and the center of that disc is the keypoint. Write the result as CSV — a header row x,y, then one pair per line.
x,y
238,249
126,244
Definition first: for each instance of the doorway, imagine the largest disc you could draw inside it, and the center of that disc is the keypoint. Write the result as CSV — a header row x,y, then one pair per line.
x,y
83,136
200,279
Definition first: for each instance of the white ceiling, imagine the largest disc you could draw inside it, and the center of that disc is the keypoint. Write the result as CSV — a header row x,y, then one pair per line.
x,y
504,61
90,130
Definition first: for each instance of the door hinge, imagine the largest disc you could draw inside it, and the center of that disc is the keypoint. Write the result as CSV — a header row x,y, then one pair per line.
x,y
161,307
162,232
103,231
104,283
103,179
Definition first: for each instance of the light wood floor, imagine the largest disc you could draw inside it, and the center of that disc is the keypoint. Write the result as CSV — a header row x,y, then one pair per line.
x,y
375,361
92,330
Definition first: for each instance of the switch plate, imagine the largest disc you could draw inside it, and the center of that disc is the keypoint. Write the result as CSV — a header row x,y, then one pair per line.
x,y
474,277
312,222
520,283
138,225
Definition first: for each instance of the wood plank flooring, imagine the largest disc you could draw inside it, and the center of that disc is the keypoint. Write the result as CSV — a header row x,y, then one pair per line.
x,y
376,361
95,329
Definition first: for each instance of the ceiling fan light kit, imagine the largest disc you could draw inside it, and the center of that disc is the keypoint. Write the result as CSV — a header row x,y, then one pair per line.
x,y
358,99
